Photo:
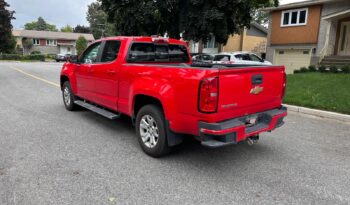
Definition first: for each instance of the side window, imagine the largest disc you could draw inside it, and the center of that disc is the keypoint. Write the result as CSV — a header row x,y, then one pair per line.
x,y
91,54
207,57
110,51
255,58
246,57
239,57
222,58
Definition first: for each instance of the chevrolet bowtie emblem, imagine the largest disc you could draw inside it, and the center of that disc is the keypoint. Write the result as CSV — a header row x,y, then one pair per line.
x,y
256,90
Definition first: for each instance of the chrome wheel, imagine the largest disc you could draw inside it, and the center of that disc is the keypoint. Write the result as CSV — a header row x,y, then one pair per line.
x,y
66,96
149,131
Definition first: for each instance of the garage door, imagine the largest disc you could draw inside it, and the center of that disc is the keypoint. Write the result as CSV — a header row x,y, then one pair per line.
x,y
293,59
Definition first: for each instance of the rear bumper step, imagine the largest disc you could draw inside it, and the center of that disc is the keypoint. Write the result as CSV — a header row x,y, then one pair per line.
x,y
94,108
236,130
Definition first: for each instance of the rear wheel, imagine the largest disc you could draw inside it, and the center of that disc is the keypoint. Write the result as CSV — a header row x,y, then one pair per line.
x,y
68,96
150,130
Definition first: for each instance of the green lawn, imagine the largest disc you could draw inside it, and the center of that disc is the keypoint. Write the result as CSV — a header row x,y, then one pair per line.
x,y
323,91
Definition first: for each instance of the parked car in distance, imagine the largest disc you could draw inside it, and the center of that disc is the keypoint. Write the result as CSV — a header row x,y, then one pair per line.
x,y
202,58
151,80
246,58
62,57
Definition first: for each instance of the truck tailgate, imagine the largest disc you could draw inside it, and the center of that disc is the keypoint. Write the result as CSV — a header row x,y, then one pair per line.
x,y
248,90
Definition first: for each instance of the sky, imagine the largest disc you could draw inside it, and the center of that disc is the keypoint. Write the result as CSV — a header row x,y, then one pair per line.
x,y
60,13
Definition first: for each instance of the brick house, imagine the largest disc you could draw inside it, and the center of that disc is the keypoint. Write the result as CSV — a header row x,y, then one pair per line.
x,y
251,39
309,33
48,42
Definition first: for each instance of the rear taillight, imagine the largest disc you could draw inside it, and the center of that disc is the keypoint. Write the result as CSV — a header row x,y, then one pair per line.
x,y
208,95
284,85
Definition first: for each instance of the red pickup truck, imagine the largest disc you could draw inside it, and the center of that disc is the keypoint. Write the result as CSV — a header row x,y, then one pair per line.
x,y
153,81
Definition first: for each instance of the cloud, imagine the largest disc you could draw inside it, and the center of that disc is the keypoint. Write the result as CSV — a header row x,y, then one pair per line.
x,y
60,13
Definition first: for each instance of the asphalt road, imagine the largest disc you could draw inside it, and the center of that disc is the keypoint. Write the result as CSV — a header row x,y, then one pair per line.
x,y
51,156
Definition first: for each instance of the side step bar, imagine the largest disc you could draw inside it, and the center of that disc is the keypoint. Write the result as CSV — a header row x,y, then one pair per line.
x,y
105,113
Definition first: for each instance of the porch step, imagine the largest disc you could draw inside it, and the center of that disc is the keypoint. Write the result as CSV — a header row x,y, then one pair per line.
x,y
98,110
335,60
337,57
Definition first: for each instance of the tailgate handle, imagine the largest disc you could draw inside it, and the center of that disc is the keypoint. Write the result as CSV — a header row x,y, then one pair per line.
x,y
257,79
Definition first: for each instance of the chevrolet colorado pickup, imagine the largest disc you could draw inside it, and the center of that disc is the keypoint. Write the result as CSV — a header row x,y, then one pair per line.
x,y
153,81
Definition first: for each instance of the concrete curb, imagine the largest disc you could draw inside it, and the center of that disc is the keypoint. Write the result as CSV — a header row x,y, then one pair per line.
x,y
319,113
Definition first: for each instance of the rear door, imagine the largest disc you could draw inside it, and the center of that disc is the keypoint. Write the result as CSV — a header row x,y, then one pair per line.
x,y
106,75
84,71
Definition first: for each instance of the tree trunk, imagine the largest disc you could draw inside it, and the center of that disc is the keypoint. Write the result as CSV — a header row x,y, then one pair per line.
x,y
200,46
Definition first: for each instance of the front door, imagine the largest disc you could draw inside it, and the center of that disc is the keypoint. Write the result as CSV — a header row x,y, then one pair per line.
x,y
344,41
84,72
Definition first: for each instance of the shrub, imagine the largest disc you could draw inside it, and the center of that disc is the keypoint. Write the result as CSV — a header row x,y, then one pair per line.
x,y
51,56
296,71
37,57
312,68
35,52
303,70
345,69
333,69
322,69
81,44
10,57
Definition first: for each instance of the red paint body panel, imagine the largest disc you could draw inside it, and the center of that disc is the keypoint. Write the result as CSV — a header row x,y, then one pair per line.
x,y
115,86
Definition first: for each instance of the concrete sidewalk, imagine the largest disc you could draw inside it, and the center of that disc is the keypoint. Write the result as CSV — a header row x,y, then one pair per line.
x,y
319,113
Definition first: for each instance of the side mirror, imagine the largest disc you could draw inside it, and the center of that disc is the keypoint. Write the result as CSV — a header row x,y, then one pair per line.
x,y
73,59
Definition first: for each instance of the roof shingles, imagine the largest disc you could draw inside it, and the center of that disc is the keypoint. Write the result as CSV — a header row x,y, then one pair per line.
x,y
51,35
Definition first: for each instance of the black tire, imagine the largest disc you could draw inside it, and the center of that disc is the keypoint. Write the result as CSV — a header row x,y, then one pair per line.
x,y
161,147
68,102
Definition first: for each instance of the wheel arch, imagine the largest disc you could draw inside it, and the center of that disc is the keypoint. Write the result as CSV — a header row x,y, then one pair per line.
x,y
63,79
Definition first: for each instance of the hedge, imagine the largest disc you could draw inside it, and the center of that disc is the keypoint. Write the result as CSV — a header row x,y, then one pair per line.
x,y
34,57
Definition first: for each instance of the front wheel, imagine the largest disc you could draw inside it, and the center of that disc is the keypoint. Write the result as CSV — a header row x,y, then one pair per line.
x,y
68,96
150,130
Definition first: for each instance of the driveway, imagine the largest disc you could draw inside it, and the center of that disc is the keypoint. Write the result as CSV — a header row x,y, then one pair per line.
x,y
51,156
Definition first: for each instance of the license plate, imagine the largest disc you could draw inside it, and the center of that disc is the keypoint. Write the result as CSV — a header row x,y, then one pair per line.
x,y
252,120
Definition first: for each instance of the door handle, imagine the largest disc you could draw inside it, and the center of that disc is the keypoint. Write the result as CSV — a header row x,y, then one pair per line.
x,y
110,72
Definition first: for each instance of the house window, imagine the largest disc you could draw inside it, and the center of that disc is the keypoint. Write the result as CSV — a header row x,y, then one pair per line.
x,y
296,17
51,42
36,41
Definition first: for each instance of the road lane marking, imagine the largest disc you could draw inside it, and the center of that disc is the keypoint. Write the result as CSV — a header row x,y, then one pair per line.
x,y
35,77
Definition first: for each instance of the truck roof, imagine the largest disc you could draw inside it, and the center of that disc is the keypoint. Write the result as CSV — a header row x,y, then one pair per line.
x,y
149,39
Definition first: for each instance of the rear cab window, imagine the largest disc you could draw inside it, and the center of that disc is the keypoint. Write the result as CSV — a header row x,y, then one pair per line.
x,y
152,52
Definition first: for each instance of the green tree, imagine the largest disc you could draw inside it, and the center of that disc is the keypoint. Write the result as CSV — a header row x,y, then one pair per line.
x,y
262,17
82,29
40,25
196,19
97,19
67,28
81,44
7,43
